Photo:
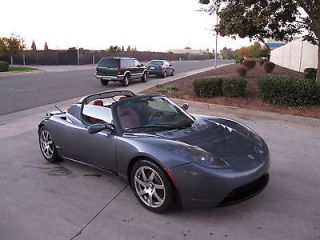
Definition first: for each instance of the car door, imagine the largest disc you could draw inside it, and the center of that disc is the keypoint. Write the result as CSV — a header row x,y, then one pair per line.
x,y
93,149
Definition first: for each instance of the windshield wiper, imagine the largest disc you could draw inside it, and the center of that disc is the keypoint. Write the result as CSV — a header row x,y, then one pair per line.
x,y
165,126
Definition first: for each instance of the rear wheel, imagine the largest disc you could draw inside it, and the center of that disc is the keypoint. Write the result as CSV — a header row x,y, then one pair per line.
x,y
104,82
151,186
172,73
47,146
126,80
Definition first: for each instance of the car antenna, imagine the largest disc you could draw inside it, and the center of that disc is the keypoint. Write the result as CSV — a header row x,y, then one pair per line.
x,y
58,109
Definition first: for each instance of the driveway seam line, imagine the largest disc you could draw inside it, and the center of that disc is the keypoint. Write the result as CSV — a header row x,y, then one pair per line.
x,y
101,210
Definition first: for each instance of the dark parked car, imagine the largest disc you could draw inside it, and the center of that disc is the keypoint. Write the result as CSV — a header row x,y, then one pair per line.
x,y
160,68
120,69
166,154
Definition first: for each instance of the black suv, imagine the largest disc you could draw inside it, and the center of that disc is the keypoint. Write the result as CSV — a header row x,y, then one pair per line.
x,y
120,69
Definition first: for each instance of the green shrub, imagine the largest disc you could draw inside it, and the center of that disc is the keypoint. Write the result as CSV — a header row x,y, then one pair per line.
x,y
310,73
4,66
207,87
234,87
242,71
288,91
239,60
249,63
268,67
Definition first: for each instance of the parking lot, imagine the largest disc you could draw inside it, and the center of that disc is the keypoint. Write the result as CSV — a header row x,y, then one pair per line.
x,y
69,201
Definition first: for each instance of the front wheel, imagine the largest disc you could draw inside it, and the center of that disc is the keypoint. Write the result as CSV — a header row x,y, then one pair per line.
x,y
172,73
47,146
151,186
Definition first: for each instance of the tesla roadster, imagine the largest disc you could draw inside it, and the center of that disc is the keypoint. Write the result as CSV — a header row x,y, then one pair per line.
x,y
168,156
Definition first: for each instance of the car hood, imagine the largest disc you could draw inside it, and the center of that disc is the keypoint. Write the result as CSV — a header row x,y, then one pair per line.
x,y
240,147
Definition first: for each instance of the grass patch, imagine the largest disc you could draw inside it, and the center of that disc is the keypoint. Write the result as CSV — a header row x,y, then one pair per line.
x,y
166,89
21,68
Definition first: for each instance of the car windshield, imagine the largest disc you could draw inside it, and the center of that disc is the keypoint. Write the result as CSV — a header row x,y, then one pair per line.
x,y
155,63
152,113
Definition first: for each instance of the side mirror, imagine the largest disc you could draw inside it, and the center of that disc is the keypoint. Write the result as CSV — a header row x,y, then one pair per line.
x,y
95,128
185,106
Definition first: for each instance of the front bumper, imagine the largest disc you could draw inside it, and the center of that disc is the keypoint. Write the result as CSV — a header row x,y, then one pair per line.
x,y
203,187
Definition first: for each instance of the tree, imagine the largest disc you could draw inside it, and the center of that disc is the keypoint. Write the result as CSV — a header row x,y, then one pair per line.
x,y
45,46
128,48
278,19
12,45
122,48
114,49
227,53
33,46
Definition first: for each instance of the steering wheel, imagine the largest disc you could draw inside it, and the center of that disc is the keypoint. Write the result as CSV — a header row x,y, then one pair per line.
x,y
155,116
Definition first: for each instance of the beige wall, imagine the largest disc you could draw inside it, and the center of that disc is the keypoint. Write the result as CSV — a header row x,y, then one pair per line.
x,y
296,55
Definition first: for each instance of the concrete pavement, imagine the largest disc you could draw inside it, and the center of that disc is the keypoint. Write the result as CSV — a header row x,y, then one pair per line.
x,y
68,201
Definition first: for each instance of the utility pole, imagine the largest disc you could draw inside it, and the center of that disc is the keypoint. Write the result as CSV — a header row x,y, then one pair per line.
x,y
216,51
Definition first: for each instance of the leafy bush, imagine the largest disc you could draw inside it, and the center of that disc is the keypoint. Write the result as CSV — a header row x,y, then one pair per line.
x,y
249,63
268,67
310,73
234,87
207,87
4,66
288,91
239,60
242,71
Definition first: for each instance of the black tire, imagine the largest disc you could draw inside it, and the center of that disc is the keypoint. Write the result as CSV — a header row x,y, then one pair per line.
x,y
48,150
164,195
126,80
104,82
172,73
164,75
144,77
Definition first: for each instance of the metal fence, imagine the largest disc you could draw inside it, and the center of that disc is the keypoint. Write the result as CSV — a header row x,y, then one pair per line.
x,y
296,55
81,57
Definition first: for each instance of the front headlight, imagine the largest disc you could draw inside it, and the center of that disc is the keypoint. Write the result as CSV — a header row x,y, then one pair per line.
x,y
201,157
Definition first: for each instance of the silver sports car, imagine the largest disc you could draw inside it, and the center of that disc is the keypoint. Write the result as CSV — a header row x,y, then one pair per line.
x,y
167,155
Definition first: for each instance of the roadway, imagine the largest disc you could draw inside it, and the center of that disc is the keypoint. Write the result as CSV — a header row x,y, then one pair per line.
x,y
58,83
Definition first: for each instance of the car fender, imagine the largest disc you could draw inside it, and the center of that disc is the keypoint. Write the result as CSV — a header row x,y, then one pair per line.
x,y
159,150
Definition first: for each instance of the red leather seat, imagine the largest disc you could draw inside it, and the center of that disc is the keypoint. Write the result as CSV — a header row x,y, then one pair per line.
x,y
93,120
128,118
98,102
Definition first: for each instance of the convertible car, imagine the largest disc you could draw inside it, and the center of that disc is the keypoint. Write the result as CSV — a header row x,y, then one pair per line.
x,y
168,156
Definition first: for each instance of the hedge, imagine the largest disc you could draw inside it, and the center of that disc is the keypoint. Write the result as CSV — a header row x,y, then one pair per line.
x,y
288,91
234,87
4,66
207,87
310,73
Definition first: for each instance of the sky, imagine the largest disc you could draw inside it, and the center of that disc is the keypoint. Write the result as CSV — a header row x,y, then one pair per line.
x,y
148,25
